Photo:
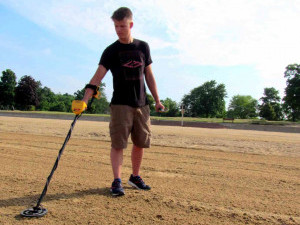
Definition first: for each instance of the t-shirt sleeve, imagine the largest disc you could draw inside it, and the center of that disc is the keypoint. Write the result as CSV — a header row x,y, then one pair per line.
x,y
105,59
148,59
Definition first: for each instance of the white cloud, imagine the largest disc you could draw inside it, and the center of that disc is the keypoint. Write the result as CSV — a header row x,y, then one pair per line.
x,y
196,32
82,21
220,32
224,33
236,32
231,32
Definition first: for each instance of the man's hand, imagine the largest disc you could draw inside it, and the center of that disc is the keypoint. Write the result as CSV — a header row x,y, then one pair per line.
x,y
159,107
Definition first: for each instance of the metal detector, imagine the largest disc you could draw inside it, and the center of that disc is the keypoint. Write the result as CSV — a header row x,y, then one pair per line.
x,y
78,107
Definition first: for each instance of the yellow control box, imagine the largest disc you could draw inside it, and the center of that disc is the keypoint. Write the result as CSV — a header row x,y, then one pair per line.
x,y
78,106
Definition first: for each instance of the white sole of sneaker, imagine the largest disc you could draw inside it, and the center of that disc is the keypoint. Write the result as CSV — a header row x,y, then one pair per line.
x,y
118,194
133,185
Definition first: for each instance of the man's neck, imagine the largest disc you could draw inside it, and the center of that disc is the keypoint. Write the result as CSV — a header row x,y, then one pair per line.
x,y
126,41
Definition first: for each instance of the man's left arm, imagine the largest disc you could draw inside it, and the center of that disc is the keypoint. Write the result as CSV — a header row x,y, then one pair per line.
x,y
151,83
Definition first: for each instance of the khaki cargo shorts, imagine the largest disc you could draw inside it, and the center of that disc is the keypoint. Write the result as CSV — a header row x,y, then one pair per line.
x,y
126,120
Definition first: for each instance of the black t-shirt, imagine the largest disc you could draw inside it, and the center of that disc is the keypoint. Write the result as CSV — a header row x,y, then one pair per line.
x,y
127,64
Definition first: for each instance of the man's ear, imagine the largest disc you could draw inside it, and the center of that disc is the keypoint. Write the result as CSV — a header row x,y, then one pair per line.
x,y
131,24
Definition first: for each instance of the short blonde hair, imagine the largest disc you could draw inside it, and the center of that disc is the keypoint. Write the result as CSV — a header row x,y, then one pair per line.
x,y
122,13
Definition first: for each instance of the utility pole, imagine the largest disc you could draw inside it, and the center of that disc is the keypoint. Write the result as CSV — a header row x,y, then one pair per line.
x,y
182,114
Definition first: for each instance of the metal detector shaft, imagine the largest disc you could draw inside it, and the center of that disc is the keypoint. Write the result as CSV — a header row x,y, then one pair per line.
x,y
59,155
56,162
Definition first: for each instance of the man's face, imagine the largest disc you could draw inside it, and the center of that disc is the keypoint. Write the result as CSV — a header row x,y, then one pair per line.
x,y
123,28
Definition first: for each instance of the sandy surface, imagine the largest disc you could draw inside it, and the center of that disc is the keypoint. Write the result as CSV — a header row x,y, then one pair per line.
x,y
198,175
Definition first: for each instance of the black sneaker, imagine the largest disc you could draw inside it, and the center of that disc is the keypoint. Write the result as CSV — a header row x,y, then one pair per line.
x,y
138,183
116,188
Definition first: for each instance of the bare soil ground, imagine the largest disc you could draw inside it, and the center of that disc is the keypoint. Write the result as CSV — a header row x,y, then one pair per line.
x,y
197,175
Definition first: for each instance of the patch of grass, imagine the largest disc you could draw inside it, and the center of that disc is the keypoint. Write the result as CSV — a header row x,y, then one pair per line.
x,y
189,119
54,113
185,119
220,120
266,122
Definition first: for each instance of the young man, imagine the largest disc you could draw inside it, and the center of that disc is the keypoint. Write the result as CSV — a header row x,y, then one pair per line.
x,y
130,62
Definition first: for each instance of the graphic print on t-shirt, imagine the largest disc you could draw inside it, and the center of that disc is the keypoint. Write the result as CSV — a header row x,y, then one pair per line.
x,y
132,64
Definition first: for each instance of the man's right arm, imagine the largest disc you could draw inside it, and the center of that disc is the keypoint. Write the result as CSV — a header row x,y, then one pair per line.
x,y
96,79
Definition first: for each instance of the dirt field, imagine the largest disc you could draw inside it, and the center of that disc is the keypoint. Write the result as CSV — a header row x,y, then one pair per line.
x,y
197,175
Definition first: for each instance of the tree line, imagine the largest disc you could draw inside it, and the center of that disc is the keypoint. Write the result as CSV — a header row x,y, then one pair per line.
x,y
29,94
206,100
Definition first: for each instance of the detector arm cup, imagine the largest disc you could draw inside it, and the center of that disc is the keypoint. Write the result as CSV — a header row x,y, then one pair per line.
x,y
95,88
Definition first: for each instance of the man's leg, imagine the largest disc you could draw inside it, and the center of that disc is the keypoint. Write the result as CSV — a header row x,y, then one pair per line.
x,y
121,118
116,157
136,159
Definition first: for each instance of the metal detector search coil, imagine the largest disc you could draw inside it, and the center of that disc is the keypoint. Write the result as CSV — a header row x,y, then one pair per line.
x,y
34,212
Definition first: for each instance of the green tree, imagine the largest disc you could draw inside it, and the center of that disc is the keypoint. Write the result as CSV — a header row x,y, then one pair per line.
x,y
26,96
267,111
62,103
242,107
58,106
49,101
270,108
7,89
46,98
206,100
292,92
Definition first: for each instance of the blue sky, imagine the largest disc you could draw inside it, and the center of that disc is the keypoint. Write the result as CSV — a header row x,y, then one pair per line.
x,y
243,44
